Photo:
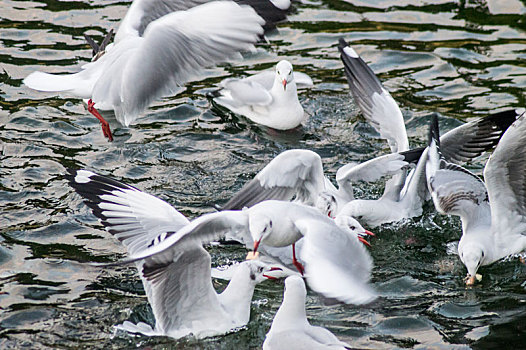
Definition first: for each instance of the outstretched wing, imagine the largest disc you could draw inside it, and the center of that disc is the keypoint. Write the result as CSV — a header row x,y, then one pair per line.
x,y
454,189
292,174
180,291
172,50
470,140
336,263
376,103
143,12
505,175
135,218
371,170
204,229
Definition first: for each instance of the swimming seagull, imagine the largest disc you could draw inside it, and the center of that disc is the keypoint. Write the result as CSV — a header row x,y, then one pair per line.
x,y
267,98
290,328
155,50
179,287
336,266
493,213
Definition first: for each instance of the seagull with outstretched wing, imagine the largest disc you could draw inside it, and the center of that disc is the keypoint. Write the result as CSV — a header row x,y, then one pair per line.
x,y
178,285
159,46
493,213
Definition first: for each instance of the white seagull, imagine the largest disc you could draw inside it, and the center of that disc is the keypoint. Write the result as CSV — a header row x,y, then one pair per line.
x,y
403,196
267,98
290,328
493,213
298,175
337,266
179,289
157,48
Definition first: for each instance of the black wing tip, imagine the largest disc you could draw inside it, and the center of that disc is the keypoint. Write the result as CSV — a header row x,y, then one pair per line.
x,y
434,133
412,155
342,44
268,11
96,48
505,118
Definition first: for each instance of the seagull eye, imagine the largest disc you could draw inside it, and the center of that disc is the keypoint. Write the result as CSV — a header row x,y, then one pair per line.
x,y
482,253
270,224
279,72
353,228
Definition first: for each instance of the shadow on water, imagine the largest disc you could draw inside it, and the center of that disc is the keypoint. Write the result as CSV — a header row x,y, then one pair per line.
x,y
458,58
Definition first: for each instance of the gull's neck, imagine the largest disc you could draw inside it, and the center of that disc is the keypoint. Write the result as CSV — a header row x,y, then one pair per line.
x,y
291,313
281,95
237,296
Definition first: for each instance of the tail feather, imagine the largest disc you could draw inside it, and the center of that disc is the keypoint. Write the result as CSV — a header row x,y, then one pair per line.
x,y
51,82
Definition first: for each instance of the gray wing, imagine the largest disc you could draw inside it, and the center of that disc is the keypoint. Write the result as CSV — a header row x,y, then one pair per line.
x,y
336,263
144,12
454,189
247,92
505,176
180,291
294,174
204,229
135,218
172,50
376,103
470,140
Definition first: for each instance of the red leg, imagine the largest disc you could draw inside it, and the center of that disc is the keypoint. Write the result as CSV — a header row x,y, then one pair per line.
x,y
105,126
296,263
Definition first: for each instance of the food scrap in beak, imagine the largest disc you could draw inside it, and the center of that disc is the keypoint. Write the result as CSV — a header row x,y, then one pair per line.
x,y
252,255
470,280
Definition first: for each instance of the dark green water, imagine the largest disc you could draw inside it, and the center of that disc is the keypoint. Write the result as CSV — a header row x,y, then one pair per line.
x,y
458,58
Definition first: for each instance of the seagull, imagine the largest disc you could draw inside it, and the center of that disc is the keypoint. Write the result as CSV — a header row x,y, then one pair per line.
x,y
337,266
493,212
404,194
179,289
290,328
158,47
297,175
267,98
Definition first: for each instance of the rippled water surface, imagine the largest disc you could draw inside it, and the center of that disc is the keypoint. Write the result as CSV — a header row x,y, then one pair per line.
x,y
458,58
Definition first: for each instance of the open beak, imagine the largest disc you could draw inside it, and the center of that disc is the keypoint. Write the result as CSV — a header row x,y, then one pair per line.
x,y
369,233
272,269
364,241
284,84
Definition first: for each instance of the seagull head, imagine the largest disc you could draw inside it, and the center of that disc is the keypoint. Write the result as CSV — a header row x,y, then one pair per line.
x,y
284,73
260,271
260,226
353,227
294,285
326,204
472,256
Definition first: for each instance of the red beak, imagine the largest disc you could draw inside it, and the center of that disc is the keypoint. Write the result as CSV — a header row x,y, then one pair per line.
x,y
273,269
369,233
284,84
364,241
256,245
